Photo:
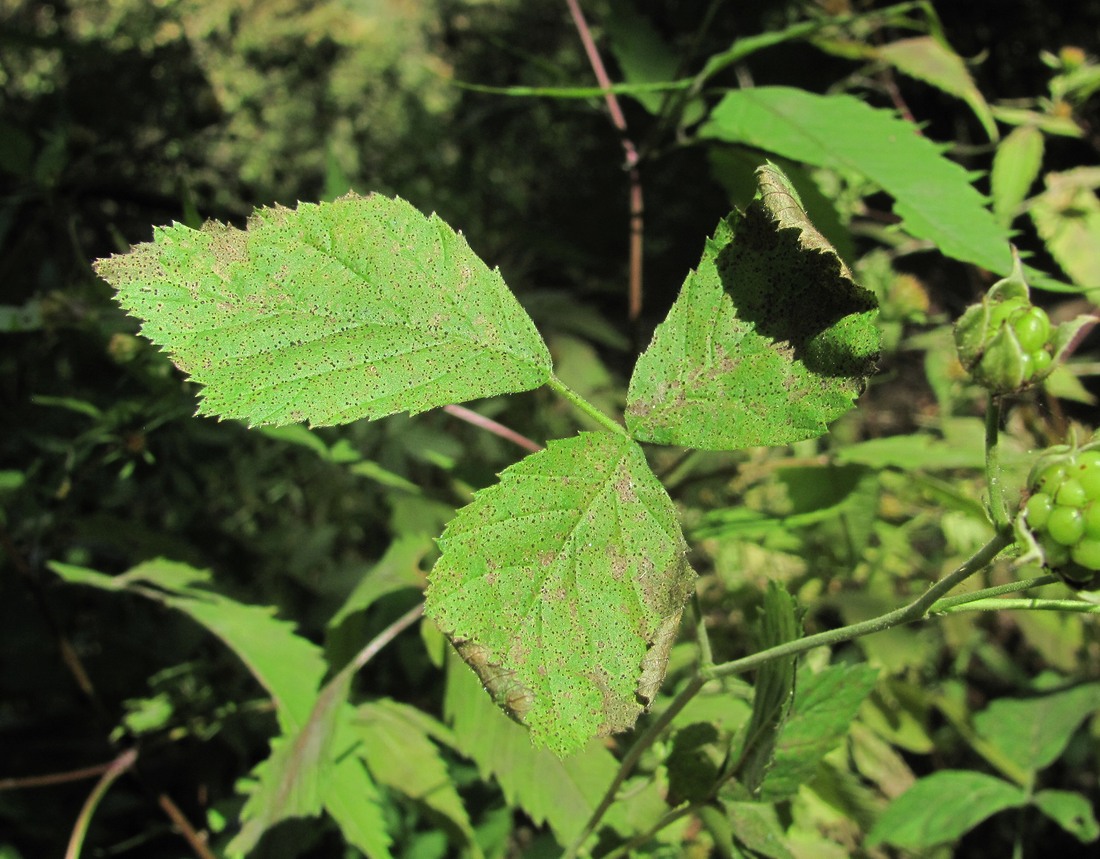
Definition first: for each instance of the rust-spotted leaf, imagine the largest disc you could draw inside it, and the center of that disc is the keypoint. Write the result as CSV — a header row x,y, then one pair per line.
x,y
562,586
769,340
328,313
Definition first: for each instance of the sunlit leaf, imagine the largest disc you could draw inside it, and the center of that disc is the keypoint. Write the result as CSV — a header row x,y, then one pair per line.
x,y
1072,811
1016,166
328,313
768,341
561,793
1033,732
933,196
933,61
562,587
942,807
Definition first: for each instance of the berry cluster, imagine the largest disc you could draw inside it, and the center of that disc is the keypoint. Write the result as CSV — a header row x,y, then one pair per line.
x,y
1006,344
1063,512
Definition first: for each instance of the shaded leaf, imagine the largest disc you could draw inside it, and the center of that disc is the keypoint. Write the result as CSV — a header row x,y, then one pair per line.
x,y
562,586
328,313
933,196
1033,732
400,755
561,793
1072,811
757,827
1016,166
933,61
397,569
942,807
824,707
773,690
288,666
768,341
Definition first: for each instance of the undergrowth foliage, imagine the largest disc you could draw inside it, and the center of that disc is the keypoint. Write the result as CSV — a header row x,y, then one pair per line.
x,y
589,613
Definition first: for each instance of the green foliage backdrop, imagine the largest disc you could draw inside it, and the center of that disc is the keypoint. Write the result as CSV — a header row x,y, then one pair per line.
x,y
185,603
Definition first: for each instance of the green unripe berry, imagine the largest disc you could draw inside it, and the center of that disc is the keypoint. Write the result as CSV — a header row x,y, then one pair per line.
x,y
1087,554
1092,521
1071,494
1051,478
1040,362
1039,507
1032,328
1066,525
1089,478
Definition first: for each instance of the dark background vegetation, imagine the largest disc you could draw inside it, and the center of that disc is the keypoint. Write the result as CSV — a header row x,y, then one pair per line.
x,y
116,115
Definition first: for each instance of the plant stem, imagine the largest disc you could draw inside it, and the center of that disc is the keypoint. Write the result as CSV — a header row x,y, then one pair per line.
x,y
914,611
985,593
118,766
998,508
583,405
1073,606
489,425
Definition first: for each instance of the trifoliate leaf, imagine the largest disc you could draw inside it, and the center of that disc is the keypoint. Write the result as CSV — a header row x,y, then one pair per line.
x,y
768,341
562,587
328,313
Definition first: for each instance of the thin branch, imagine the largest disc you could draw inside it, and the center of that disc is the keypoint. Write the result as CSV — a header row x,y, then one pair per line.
x,y
196,839
54,778
488,424
618,119
914,611
117,767
375,645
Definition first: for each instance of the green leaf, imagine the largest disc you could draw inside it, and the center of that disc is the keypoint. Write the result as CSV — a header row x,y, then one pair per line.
x,y
398,569
562,586
1015,168
357,308
757,827
288,666
773,690
768,341
400,755
1033,732
932,60
1072,811
561,793
824,708
307,770
933,196
642,54
942,807
1067,217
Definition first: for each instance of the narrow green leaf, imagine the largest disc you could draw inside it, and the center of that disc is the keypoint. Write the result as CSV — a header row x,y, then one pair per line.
x,y
288,666
1033,732
307,770
1015,168
824,707
401,756
773,690
328,313
933,196
942,807
641,52
932,60
561,793
1072,811
562,586
768,341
